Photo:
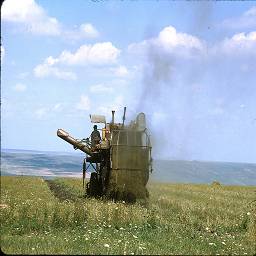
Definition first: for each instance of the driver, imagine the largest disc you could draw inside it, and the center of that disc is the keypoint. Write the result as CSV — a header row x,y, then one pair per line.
x,y
95,136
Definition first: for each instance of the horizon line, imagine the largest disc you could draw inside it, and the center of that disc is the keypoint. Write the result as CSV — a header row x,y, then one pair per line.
x,y
159,159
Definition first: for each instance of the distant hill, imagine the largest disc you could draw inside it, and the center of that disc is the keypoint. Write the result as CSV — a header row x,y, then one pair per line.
x,y
42,163
28,151
204,172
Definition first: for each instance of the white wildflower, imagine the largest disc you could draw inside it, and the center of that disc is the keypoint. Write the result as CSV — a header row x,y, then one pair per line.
x,y
106,245
4,206
134,236
248,213
223,243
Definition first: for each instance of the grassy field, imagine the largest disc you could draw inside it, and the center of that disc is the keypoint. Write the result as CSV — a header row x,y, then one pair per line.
x,y
179,219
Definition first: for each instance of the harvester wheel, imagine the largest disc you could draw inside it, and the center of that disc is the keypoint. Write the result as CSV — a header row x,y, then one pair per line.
x,y
104,179
130,198
147,193
92,189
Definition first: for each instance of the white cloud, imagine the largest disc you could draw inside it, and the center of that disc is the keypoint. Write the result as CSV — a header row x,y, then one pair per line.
x,y
20,87
50,61
2,53
84,103
170,41
251,12
32,16
49,26
97,54
100,88
245,21
239,44
88,30
44,70
85,30
170,38
120,71
21,11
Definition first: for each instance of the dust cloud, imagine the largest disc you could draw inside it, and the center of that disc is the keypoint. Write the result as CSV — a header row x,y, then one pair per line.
x,y
170,91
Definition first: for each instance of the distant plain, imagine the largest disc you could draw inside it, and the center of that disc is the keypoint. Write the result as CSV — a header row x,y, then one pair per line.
x,y
63,164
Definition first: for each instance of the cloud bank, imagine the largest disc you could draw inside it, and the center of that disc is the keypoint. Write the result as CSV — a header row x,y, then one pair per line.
x,y
99,54
32,18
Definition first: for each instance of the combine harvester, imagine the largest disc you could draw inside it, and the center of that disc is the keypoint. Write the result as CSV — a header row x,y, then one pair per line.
x,y
121,160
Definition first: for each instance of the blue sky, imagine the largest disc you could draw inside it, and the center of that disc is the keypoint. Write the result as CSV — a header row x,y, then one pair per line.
x,y
190,66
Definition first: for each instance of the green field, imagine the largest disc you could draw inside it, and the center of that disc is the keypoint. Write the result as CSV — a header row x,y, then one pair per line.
x,y
178,219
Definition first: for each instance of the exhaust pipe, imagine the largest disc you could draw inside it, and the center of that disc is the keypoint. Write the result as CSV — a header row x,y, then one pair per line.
x,y
124,116
113,116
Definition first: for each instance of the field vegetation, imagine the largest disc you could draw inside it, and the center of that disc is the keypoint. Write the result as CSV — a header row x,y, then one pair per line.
x,y
54,217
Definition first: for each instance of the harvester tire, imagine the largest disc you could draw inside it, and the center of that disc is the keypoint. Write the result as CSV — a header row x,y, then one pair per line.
x,y
93,185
